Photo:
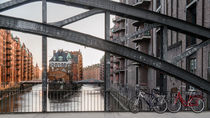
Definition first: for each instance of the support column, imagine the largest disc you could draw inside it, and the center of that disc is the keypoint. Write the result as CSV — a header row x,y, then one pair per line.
x,y
44,59
107,63
164,54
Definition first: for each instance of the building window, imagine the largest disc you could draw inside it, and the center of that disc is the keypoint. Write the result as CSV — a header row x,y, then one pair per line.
x,y
158,3
137,75
193,63
191,17
159,43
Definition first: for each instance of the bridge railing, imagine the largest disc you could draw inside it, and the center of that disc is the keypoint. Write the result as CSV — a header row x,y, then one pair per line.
x,y
122,100
30,100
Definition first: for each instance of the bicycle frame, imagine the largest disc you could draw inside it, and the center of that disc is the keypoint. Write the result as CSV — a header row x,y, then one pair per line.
x,y
141,96
188,102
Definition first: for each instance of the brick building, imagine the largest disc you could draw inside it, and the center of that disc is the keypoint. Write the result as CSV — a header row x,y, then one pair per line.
x,y
16,61
117,63
151,42
92,72
68,62
36,72
3,36
77,65
102,68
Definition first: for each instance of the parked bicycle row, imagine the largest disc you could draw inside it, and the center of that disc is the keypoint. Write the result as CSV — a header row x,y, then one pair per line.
x,y
160,102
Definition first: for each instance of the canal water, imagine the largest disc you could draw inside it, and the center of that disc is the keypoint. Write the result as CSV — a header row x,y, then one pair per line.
x,y
87,98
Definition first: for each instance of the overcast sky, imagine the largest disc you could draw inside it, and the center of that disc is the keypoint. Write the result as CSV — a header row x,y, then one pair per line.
x,y
93,25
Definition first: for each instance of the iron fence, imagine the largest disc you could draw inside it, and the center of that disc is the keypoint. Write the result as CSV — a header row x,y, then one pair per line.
x,y
29,100
26,101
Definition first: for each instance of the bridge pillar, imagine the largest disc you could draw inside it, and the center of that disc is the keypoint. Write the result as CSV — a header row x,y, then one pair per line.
x,y
44,59
107,63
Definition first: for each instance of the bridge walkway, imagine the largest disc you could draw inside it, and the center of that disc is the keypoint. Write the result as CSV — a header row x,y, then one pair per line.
x,y
205,114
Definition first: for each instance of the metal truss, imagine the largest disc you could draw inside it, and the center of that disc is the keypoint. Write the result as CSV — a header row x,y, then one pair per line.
x,y
190,51
126,11
76,18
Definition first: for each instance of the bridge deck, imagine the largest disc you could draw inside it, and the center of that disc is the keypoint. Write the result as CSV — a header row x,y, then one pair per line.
x,y
109,115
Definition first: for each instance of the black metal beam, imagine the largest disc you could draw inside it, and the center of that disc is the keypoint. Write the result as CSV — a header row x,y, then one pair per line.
x,y
22,25
13,3
16,3
190,51
44,59
107,63
131,12
77,17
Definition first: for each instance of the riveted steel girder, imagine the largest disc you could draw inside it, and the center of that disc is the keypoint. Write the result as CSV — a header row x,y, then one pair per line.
x,y
190,51
77,17
129,12
14,3
97,43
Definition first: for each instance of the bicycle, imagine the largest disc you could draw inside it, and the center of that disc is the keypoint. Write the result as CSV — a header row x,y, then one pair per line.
x,y
195,102
155,101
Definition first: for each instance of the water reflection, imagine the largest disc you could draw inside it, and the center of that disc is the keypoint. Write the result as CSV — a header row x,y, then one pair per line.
x,y
88,98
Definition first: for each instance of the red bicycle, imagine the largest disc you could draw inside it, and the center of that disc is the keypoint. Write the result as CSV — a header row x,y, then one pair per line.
x,y
195,102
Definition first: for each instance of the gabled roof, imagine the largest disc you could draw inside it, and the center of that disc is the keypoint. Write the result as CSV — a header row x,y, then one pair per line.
x,y
65,55
59,54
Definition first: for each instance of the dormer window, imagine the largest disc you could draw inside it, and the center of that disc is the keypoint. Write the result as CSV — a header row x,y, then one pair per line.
x,y
68,57
60,58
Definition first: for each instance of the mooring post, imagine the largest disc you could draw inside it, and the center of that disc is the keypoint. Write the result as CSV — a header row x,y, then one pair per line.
x,y
44,59
107,63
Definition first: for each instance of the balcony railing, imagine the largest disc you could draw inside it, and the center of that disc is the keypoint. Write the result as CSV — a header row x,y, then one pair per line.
x,y
118,19
118,28
142,3
8,42
18,50
119,57
8,47
136,63
119,69
144,37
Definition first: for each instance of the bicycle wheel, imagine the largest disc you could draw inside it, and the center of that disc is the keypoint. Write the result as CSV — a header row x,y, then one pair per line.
x,y
197,108
159,105
134,108
174,105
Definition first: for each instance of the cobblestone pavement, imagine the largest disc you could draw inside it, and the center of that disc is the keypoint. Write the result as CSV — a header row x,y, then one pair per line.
x,y
109,115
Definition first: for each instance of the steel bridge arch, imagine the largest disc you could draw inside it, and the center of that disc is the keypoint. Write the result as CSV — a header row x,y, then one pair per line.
x,y
94,42
126,11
